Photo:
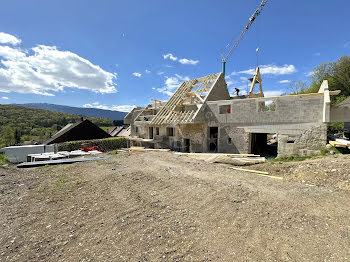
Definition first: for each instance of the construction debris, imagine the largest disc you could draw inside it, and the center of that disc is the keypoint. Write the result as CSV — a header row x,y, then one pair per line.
x,y
233,159
59,155
61,161
142,149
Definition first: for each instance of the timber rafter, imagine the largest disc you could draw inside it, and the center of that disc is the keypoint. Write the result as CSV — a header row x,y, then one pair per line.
x,y
197,88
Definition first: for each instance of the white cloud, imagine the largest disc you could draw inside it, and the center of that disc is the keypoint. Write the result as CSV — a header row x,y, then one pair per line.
x,y
9,39
274,93
233,74
47,70
160,73
183,61
229,83
186,61
270,70
309,74
170,56
5,98
10,53
121,108
284,81
137,74
316,54
347,44
147,71
96,105
172,83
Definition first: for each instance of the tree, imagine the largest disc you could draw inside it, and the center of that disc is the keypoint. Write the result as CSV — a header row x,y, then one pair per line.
x,y
7,136
337,74
298,87
17,137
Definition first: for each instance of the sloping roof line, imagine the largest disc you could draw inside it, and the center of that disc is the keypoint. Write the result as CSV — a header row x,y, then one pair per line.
x,y
62,131
167,115
116,130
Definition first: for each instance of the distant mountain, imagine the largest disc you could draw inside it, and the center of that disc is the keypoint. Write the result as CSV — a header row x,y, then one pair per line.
x,y
92,112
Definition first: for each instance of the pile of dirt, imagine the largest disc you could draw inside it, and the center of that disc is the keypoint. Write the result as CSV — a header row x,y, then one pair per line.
x,y
329,171
158,206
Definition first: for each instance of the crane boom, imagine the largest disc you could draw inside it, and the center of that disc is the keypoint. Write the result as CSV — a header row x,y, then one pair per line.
x,y
251,20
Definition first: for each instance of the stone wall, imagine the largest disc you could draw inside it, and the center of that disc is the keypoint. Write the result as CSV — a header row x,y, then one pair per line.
x,y
233,140
307,142
197,135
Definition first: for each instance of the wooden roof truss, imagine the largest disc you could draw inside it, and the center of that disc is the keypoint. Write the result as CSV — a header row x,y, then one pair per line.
x,y
191,92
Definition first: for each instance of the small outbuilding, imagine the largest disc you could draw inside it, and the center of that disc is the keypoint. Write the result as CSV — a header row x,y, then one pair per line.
x,y
82,130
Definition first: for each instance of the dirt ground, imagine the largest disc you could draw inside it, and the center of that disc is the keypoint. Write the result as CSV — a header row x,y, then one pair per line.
x,y
158,206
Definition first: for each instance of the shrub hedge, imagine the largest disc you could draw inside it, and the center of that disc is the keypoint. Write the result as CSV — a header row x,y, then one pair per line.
x,y
106,144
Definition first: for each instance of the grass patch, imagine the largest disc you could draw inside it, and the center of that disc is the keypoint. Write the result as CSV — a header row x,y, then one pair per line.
x,y
46,166
291,158
3,159
80,181
61,182
323,152
114,152
41,189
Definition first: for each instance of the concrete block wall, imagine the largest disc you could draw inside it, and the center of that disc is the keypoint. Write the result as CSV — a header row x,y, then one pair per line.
x,y
293,109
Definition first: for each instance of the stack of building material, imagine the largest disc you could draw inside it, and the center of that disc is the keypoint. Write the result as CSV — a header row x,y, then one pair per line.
x,y
342,143
59,155
233,159
142,149
18,154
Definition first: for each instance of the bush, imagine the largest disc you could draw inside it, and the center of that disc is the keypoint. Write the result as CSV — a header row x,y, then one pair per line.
x,y
3,159
107,144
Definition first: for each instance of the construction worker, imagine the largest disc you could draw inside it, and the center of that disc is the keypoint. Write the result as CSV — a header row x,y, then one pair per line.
x,y
237,91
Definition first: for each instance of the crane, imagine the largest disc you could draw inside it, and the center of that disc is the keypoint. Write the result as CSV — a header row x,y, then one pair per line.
x,y
251,20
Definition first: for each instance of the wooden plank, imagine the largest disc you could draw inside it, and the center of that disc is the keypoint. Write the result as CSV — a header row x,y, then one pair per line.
x,y
261,173
337,144
217,154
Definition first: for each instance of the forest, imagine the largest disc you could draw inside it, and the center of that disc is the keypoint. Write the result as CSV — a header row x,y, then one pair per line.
x,y
19,124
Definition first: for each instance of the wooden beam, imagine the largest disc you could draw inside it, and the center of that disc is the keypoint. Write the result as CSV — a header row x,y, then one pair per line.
x,y
261,173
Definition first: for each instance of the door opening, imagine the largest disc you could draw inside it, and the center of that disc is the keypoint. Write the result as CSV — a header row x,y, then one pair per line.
x,y
264,144
187,145
150,131
213,139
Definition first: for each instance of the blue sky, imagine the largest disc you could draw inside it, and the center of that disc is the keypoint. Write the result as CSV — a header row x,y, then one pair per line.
x,y
115,54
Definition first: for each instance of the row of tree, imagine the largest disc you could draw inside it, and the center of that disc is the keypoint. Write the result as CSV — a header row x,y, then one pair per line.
x,y
338,76
18,124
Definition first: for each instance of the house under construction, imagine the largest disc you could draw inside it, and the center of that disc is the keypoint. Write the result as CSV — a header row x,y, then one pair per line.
x,y
201,116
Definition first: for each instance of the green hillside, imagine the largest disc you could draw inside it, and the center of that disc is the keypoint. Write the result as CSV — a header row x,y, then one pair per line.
x,y
18,124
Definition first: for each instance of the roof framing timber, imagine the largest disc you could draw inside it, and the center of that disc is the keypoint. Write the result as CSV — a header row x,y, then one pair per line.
x,y
188,89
